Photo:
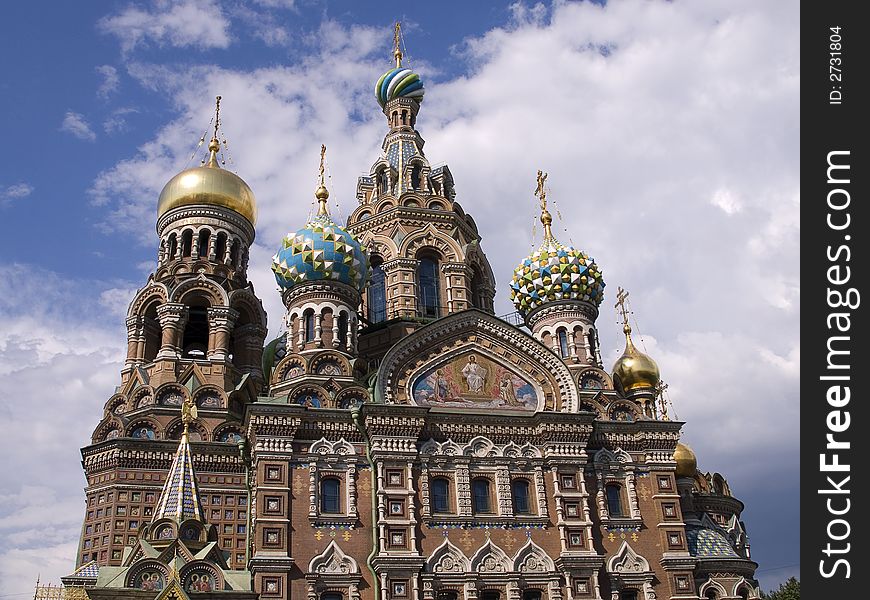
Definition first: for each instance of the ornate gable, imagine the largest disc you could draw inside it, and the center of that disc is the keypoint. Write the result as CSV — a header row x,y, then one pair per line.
x,y
448,559
474,360
489,558
333,561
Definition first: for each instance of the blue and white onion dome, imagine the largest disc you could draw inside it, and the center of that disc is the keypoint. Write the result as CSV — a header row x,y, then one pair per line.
x,y
321,251
555,272
400,82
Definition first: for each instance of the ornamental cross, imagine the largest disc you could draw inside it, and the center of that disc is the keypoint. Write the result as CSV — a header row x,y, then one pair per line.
x,y
217,116
397,52
322,163
621,297
661,388
541,191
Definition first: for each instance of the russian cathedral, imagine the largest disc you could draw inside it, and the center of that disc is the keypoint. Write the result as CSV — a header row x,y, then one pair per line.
x,y
398,440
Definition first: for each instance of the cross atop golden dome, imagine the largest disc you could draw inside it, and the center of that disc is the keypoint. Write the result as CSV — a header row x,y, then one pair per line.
x,y
209,184
321,193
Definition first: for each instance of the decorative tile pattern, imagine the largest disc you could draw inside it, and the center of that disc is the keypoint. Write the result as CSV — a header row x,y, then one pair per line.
x,y
708,543
556,272
179,499
321,251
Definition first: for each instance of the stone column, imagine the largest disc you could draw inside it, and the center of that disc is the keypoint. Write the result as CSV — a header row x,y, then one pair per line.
x,y
173,317
133,340
220,325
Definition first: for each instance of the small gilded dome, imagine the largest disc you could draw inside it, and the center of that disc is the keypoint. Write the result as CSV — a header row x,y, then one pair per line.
x,y
555,272
211,185
400,82
635,370
687,463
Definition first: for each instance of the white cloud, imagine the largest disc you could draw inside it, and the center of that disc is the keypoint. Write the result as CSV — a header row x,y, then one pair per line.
x,y
14,192
77,125
111,81
727,201
62,359
116,122
178,23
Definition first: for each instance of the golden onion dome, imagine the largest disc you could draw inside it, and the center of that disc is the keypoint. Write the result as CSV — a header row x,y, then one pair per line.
x,y
687,463
209,184
635,370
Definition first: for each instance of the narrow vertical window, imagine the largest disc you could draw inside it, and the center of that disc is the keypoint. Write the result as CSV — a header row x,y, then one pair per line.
x,y
342,330
427,288
563,343
440,495
377,293
614,500
330,500
520,492
480,496
309,325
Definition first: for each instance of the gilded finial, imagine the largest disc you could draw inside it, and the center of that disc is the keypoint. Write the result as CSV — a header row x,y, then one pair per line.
x,y
661,388
541,193
214,145
621,297
321,193
188,414
397,52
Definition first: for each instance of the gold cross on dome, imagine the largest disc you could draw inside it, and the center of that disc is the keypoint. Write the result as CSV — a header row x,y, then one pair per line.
x,y
541,191
621,297
397,52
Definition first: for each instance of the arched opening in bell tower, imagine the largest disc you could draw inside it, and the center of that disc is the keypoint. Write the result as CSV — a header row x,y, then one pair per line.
x,y
194,342
377,292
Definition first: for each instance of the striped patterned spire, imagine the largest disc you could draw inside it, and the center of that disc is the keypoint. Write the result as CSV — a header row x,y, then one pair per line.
x,y
179,499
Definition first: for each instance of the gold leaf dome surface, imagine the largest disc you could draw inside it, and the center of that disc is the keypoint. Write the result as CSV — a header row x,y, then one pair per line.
x,y
687,463
208,184
634,369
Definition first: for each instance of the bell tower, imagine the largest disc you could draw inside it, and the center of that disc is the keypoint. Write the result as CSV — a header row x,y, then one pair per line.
x,y
194,337
426,257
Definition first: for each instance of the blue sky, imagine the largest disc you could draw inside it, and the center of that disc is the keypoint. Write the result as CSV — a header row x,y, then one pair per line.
x,y
673,160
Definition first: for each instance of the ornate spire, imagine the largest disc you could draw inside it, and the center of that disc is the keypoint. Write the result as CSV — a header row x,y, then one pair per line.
x,y
214,145
179,499
397,52
546,217
321,193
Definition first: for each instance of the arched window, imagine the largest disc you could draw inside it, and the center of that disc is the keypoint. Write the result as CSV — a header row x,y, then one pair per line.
x,y
342,330
441,495
234,253
330,496
490,595
153,333
195,340
428,300
186,243
614,500
520,492
415,177
220,247
593,343
447,595
383,182
532,595
202,243
628,595
563,343
377,294
331,596
480,496
173,246
309,325
711,595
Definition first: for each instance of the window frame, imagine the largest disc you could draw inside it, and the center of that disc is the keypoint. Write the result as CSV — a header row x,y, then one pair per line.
x,y
323,496
475,506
